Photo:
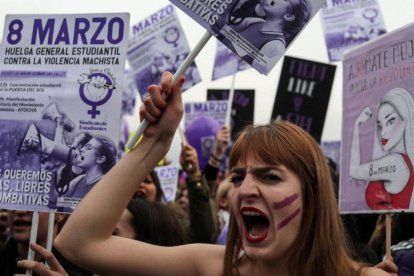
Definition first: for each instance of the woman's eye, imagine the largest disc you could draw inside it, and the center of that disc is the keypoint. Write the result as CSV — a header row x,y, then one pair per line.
x,y
391,121
271,177
236,180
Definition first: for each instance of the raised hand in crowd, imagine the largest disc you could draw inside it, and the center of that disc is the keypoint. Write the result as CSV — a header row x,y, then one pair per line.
x,y
222,142
189,161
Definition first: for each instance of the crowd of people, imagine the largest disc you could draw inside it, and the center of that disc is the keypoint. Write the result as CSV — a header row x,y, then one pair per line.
x,y
274,213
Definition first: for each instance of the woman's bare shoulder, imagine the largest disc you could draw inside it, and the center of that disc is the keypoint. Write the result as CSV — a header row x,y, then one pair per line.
x,y
373,271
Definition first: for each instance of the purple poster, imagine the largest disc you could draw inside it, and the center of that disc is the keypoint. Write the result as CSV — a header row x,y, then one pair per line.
x,y
226,63
257,31
158,44
377,172
349,23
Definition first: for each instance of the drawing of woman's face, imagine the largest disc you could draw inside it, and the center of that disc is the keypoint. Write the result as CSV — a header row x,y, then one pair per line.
x,y
390,126
277,8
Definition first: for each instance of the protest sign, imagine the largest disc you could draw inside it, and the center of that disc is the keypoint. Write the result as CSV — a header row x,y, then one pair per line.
x,y
60,104
378,125
226,62
349,23
214,109
157,44
168,176
242,107
202,120
303,93
259,32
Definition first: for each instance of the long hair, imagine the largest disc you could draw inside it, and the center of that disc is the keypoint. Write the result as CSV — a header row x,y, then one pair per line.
x,y
155,223
159,194
108,150
301,10
320,247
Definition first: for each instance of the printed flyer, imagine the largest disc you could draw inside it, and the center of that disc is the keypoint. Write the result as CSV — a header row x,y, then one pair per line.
x,y
377,153
202,120
157,44
60,104
253,29
349,23
168,176
303,94
226,63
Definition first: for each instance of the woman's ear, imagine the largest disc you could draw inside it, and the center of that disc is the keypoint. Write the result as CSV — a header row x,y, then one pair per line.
x,y
101,159
289,17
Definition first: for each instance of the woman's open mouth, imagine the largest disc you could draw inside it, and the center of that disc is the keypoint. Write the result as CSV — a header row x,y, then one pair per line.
x,y
256,224
20,224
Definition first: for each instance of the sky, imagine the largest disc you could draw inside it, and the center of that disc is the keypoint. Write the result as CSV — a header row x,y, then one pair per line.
x,y
309,44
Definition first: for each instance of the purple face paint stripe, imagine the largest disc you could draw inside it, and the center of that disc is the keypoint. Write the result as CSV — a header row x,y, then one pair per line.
x,y
287,201
284,222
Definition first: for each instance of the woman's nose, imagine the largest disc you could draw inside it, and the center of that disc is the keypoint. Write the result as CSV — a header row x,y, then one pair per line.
x,y
248,188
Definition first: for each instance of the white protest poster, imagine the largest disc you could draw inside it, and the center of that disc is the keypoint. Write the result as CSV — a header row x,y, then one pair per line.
x,y
157,44
349,23
60,106
377,146
258,31
168,176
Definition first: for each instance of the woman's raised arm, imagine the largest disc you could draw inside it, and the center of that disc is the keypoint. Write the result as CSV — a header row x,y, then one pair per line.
x,y
87,239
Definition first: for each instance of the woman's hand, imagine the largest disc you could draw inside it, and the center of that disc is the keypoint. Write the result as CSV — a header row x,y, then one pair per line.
x,y
222,141
364,116
53,269
163,108
389,266
189,161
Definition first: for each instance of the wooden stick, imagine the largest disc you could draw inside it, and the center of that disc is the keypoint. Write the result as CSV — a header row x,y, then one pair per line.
x,y
388,235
